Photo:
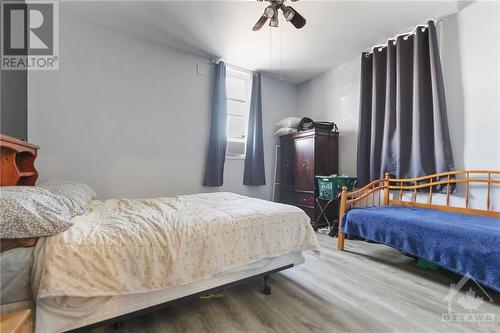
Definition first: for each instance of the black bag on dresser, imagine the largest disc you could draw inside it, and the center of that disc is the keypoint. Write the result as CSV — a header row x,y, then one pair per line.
x,y
307,124
326,126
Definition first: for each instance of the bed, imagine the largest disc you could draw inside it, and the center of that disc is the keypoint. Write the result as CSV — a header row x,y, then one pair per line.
x,y
123,257
403,214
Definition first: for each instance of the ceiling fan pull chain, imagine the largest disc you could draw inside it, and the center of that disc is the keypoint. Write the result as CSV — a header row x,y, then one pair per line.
x,y
270,52
281,55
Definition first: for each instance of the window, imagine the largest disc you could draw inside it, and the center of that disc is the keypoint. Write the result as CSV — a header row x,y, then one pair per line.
x,y
238,86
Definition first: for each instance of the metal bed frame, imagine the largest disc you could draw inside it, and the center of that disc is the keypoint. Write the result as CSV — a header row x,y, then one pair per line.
x,y
117,322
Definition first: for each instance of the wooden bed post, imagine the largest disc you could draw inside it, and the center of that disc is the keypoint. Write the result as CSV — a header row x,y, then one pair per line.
x,y
343,202
386,189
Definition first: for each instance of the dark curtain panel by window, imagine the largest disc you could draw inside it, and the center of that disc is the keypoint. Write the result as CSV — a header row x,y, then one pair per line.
x,y
254,173
403,127
216,156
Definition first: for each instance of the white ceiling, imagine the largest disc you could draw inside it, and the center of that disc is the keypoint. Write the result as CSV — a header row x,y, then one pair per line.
x,y
336,31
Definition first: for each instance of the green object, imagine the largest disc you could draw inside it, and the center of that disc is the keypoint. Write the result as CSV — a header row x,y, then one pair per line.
x,y
330,187
426,264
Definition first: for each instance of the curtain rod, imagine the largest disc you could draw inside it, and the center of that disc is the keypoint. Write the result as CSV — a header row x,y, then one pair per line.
x,y
405,34
216,61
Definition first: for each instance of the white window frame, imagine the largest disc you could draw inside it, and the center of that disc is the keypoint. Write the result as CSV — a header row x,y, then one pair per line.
x,y
247,76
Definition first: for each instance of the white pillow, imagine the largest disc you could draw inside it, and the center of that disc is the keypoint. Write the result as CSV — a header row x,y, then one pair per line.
x,y
285,131
77,195
30,211
290,122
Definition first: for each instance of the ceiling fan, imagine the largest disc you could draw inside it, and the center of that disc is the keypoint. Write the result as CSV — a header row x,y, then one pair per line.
x,y
271,12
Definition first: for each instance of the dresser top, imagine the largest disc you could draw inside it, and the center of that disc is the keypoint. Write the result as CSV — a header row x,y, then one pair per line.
x,y
308,133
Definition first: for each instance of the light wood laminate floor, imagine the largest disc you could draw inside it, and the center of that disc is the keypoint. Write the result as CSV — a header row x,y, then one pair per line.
x,y
368,288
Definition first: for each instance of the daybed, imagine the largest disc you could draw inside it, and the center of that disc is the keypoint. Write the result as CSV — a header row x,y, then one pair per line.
x,y
402,213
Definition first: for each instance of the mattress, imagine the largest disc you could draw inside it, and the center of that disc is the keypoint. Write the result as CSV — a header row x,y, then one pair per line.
x,y
15,275
462,243
60,314
130,246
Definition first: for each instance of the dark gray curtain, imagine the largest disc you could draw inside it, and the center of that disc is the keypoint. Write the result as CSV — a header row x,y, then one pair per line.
x,y
214,169
403,127
254,173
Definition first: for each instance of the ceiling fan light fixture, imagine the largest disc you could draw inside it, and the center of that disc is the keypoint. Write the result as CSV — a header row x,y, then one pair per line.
x,y
288,13
274,22
269,11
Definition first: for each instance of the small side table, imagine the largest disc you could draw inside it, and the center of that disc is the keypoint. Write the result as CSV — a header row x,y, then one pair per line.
x,y
323,211
328,188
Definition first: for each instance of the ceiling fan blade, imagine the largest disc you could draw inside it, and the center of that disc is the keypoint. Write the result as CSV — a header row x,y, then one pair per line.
x,y
297,20
260,23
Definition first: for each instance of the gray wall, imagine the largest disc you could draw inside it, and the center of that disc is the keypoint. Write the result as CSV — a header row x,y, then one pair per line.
x,y
470,49
131,117
14,103
334,96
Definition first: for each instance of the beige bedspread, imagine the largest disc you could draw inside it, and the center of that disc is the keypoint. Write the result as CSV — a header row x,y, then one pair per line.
x,y
127,246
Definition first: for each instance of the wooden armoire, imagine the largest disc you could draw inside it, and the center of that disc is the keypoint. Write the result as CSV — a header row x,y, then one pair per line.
x,y
303,156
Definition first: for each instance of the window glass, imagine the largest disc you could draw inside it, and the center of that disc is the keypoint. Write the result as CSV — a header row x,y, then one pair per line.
x,y
238,86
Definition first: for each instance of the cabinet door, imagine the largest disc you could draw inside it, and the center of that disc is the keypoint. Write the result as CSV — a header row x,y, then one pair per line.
x,y
304,164
326,155
287,163
304,199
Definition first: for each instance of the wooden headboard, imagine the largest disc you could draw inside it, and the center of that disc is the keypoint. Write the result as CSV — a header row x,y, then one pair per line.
x,y
17,162
17,167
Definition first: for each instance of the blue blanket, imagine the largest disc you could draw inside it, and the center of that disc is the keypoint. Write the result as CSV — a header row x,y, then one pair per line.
x,y
461,243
